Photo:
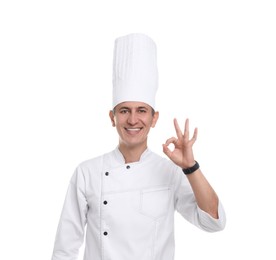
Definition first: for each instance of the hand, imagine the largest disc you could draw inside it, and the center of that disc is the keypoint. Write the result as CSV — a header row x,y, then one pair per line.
x,y
182,154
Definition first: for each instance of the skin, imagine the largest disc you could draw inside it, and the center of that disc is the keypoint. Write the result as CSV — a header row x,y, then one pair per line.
x,y
182,155
133,121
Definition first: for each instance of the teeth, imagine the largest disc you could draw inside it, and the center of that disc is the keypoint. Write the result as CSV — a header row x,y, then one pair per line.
x,y
133,129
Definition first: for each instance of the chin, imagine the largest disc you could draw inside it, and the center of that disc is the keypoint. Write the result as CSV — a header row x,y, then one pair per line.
x,y
134,143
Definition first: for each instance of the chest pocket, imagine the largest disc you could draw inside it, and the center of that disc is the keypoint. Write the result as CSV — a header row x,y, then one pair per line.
x,y
154,202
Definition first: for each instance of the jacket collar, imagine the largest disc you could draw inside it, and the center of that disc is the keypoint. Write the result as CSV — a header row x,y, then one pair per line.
x,y
120,158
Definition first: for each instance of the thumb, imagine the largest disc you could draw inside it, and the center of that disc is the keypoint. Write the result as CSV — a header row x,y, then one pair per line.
x,y
166,150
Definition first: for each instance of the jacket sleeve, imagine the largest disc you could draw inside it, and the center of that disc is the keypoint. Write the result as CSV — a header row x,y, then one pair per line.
x,y
71,227
186,205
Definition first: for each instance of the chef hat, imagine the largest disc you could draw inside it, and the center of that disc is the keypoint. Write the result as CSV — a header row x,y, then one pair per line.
x,y
135,74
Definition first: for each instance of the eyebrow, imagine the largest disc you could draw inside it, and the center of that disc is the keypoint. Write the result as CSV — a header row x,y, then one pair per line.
x,y
140,107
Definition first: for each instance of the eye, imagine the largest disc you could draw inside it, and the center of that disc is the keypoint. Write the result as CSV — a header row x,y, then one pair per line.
x,y
142,110
124,111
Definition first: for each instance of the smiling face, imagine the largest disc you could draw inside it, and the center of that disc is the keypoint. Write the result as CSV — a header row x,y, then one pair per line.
x,y
133,121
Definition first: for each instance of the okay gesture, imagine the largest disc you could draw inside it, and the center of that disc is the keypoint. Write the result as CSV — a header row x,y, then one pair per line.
x,y
182,153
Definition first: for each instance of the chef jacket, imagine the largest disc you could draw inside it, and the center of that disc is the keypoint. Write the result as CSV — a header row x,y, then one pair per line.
x,y
125,211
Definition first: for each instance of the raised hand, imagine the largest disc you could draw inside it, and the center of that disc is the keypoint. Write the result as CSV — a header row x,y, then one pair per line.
x,y
182,153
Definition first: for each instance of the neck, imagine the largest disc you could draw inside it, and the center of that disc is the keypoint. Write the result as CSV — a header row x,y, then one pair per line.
x,y
132,154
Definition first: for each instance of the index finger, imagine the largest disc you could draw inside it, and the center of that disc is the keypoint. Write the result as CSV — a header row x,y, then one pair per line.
x,y
177,129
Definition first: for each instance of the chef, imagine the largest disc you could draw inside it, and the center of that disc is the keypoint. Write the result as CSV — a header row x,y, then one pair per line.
x,y
122,203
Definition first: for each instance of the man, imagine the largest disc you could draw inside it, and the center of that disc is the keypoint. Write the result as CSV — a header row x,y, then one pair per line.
x,y
125,200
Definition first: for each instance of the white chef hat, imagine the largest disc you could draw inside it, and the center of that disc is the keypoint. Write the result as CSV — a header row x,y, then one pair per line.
x,y
135,74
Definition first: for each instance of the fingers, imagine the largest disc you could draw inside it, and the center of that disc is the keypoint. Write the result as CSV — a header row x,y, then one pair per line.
x,y
177,129
194,135
186,127
186,130
171,140
166,150
179,132
186,134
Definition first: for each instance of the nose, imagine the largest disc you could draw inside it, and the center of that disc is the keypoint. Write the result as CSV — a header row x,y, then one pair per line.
x,y
132,118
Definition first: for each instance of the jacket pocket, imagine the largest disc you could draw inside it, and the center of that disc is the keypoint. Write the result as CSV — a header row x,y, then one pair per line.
x,y
154,202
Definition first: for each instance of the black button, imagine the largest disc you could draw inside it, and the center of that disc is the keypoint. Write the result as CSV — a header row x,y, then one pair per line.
x,y
107,173
128,167
105,233
105,202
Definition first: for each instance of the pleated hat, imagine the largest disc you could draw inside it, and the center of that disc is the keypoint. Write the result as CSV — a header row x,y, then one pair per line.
x,y
135,73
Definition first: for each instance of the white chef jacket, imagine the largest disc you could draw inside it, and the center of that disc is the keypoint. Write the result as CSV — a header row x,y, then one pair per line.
x,y
127,210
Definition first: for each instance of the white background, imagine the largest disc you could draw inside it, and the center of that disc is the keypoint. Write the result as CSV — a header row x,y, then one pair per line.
x,y
217,64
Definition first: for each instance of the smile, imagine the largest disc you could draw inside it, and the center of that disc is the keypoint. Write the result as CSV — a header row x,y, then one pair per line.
x,y
133,130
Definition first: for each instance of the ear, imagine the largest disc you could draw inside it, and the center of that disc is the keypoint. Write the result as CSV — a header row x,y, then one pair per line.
x,y
155,118
111,116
